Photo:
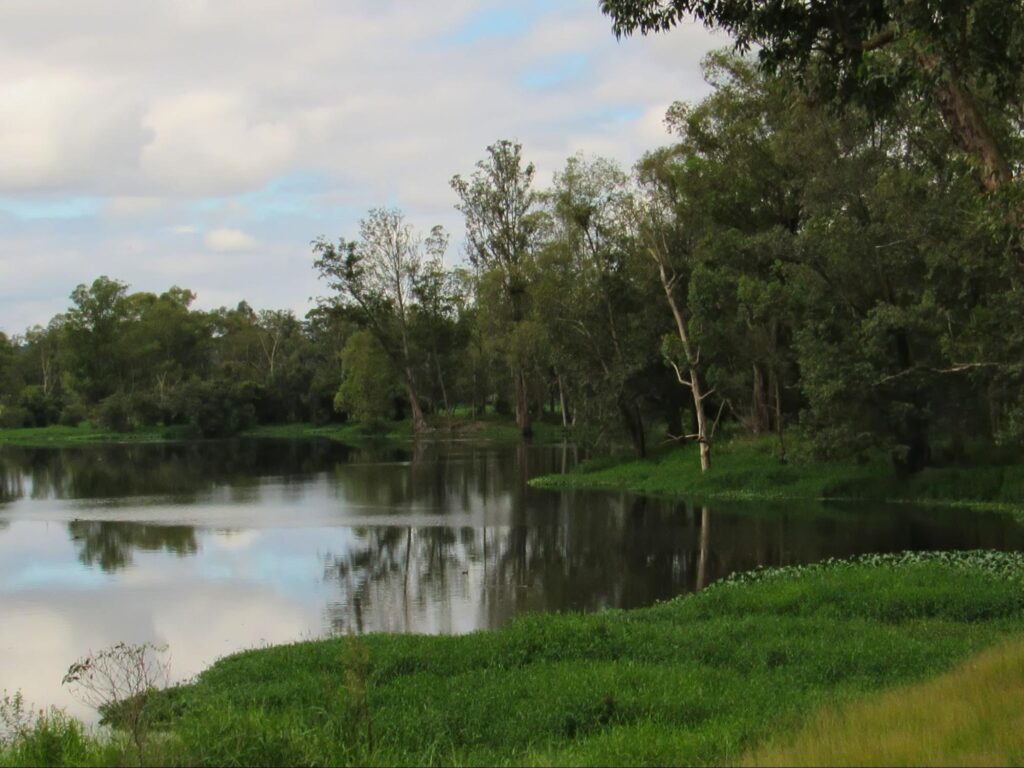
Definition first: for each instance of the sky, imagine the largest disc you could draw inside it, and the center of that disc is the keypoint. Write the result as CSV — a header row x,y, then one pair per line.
x,y
205,143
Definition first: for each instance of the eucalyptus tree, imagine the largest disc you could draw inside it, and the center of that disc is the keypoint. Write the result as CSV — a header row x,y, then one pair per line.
x,y
378,273
501,210
435,316
669,240
740,169
592,299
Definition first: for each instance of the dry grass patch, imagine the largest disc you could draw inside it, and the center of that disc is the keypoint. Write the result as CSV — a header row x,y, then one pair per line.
x,y
973,715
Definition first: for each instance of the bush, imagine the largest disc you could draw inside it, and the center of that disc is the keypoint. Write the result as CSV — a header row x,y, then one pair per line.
x,y
368,388
114,412
14,417
40,408
46,737
73,414
218,407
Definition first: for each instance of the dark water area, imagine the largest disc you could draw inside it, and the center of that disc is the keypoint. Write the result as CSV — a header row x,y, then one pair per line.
x,y
213,547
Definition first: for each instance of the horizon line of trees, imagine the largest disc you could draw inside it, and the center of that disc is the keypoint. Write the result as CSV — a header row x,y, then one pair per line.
x,y
788,262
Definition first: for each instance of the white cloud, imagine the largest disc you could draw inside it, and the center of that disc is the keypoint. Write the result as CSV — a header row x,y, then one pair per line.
x,y
215,113
212,143
64,130
229,241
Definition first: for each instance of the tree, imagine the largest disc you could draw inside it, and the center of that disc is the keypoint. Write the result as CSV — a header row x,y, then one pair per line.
x,y
379,274
668,240
741,170
367,381
592,299
502,221
436,313
963,59
93,328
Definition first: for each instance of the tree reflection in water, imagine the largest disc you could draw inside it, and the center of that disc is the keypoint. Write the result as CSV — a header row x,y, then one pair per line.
x,y
444,536
110,544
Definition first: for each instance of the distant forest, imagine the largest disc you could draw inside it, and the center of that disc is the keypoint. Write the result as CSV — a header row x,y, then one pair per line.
x,y
841,263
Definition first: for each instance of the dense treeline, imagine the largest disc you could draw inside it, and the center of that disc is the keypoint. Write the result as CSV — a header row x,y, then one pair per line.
x,y
790,261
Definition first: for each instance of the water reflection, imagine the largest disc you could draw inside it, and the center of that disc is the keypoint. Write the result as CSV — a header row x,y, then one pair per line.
x,y
269,541
110,544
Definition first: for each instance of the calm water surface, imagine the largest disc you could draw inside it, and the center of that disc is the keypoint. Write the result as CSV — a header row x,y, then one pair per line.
x,y
217,546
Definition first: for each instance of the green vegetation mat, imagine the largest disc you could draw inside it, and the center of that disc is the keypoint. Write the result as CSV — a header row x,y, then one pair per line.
x,y
747,469
702,679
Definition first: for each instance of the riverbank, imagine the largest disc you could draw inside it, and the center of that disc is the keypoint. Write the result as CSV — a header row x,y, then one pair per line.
x,y
703,679
441,428
84,433
749,470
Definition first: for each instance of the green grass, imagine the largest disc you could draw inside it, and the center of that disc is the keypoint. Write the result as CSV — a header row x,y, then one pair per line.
x,y
703,679
490,428
84,433
748,469
971,716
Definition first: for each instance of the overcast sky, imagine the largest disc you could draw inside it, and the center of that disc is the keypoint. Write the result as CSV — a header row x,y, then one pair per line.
x,y
204,143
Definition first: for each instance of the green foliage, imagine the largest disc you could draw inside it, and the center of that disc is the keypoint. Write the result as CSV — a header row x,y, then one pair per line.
x,y
39,737
368,387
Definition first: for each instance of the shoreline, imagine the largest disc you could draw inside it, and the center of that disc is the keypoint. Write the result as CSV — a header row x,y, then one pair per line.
x,y
700,679
747,471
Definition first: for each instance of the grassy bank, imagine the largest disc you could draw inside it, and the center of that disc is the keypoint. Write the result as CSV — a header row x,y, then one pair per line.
x,y
84,433
497,429
749,470
971,716
703,679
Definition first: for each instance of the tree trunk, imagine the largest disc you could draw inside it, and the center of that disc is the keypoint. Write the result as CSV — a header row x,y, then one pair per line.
x,y
419,424
703,435
634,424
776,390
440,380
561,401
965,122
522,403
759,423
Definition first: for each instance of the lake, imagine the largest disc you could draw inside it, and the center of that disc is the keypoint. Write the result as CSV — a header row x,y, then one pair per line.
x,y
213,547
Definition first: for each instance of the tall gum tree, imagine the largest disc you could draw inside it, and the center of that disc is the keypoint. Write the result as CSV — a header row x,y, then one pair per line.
x,y
502,219
592,299
665,239
379,273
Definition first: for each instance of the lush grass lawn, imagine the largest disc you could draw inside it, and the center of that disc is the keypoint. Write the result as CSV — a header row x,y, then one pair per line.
x,y
703,679
971,716
749,469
